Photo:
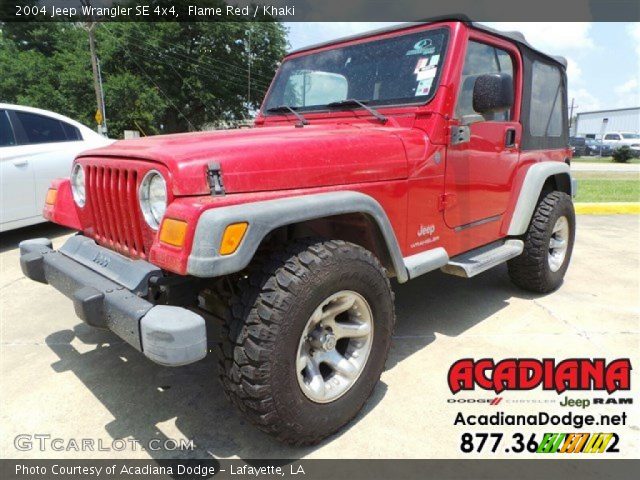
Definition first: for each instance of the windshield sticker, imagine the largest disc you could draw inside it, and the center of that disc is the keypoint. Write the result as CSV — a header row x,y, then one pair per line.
x,y
423,87
434,60
422,62
422,47
427,72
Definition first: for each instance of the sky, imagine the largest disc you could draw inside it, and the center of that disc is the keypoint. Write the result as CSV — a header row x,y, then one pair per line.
x,y
603,58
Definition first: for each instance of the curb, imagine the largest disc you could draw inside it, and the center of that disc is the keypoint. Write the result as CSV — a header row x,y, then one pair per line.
x,y
612,208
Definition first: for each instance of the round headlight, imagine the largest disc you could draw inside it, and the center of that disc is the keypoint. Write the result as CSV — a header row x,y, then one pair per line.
x,y
77,185
153,198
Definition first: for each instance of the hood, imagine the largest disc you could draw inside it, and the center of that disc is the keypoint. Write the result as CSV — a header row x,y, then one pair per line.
x,y
272,158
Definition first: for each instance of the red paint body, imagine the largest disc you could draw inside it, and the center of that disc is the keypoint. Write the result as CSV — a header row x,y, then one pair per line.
x,y
407,165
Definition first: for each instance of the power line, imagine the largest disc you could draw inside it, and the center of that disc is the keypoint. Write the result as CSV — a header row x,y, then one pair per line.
x,y
203,62
210,68
204,73
123,44
166,96
258,89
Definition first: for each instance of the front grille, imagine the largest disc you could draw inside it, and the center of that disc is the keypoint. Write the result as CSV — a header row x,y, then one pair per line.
x,y
113,200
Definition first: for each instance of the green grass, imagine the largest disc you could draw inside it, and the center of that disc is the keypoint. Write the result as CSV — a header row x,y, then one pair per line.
x,y
599,160
607,187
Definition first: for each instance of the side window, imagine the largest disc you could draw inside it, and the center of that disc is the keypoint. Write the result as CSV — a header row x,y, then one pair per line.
x,y
7,138
610,136
41,129
71,132
481,59
545,119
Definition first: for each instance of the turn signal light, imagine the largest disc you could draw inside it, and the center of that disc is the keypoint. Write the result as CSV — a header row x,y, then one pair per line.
x,y
52,194
232,237
173,232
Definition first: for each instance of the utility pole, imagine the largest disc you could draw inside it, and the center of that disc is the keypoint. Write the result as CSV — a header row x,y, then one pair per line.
x,y
249,69
573,106
90,27
104,108
571,112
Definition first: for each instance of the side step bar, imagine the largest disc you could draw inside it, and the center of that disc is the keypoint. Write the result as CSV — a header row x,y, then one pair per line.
x,y
476,261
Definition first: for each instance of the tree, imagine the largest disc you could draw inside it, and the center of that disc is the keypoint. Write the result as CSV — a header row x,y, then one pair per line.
x,y
158,77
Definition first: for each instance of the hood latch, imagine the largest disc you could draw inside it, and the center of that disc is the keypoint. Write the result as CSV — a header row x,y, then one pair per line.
x,y
214,178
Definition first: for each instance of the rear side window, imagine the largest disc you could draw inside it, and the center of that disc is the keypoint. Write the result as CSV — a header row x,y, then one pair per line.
x,y
42,129
7,138
612,136
545,119
481,59
71,132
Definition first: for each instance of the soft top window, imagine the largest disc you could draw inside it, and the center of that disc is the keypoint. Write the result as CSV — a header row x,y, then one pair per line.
x,y
545,123
481,59
546,101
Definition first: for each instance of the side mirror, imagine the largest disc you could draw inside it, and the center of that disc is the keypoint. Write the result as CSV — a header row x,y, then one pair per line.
x,y
493,93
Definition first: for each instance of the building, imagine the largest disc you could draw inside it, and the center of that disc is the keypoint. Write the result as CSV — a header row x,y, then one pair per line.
x,y
596,124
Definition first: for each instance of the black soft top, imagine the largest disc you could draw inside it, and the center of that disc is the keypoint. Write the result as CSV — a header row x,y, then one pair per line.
x,y
514,36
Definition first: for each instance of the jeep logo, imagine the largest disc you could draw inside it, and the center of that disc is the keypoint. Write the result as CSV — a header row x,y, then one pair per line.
x,y
585,402
428,230
102,260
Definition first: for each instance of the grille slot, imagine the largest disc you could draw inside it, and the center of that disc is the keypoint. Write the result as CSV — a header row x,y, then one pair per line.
x,y
112,195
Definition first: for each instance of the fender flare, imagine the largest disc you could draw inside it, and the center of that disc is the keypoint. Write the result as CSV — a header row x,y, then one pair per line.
x,y
532,185
265,216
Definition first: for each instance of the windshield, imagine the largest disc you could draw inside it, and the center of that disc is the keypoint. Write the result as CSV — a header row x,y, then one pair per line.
x,y
398,70
630,136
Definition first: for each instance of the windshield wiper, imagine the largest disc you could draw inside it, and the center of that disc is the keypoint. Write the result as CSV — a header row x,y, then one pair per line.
x,y
352,102
286,108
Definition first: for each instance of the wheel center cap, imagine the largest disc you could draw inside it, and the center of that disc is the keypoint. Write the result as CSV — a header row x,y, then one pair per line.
x,y
323,340
328,342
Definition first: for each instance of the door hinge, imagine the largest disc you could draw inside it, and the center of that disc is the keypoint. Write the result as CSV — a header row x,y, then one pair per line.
x,y
446,200
460,134
214,178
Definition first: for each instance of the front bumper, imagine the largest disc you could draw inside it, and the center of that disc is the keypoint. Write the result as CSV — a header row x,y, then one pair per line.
x,y
106,290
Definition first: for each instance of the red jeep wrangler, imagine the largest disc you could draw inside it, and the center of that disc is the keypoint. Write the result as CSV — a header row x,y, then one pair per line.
x,y
441,145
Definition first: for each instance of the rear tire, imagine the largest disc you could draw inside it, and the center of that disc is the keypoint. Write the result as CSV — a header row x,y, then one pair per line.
x,y
272,320
548,245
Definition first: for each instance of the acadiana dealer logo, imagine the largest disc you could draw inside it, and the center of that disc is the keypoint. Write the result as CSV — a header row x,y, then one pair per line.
x,y
529,373
526,374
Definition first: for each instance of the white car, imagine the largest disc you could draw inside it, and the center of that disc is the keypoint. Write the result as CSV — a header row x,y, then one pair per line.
x,y
618,139
36,146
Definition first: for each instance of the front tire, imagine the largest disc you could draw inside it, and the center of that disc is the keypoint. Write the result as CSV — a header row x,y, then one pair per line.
x,y
548,245
308,340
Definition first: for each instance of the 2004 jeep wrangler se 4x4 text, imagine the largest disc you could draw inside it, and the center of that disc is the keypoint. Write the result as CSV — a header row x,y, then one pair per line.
x,y
440,145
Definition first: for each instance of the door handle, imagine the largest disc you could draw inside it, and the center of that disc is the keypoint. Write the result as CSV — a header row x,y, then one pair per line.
x,y
510,138
21,163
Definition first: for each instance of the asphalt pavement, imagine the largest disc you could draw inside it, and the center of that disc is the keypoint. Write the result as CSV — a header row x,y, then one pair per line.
x,y
61,378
